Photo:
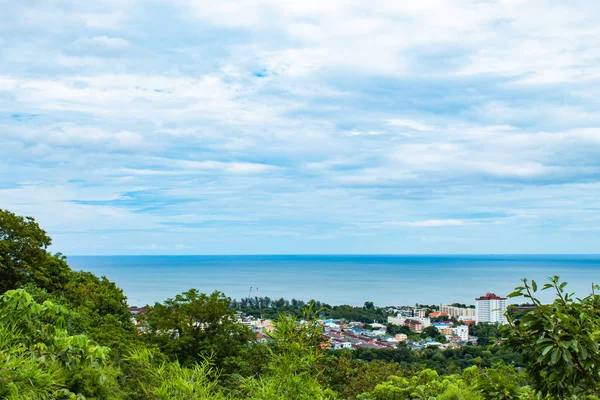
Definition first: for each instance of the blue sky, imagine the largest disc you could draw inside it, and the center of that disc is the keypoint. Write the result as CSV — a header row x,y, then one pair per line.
x,y
266,126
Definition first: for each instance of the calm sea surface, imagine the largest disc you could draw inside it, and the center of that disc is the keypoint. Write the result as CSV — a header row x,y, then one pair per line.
x,y
344,279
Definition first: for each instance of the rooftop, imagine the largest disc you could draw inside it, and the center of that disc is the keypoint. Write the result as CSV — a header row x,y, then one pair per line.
x,y
490,296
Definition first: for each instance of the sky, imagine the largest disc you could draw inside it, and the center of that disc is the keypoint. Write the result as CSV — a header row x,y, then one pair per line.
x,y
277,127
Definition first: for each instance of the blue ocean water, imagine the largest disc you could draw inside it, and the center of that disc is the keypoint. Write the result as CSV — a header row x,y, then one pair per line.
x,y
343,279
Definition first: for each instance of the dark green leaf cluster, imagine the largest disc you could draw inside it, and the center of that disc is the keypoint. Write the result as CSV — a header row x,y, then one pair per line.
x,y
559,342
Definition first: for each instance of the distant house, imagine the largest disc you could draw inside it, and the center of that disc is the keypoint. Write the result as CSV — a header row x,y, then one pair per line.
x,y
261,338
397,320
342,345
401,337
358,331
331,325
414,325
135,312
438,314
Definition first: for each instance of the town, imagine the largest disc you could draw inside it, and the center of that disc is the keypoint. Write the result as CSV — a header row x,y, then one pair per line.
x,y
417,327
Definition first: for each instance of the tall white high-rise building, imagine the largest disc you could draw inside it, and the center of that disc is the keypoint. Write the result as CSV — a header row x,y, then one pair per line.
x,y
490,309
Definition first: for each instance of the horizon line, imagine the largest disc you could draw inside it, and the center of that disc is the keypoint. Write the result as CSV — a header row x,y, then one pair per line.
x,y
331,254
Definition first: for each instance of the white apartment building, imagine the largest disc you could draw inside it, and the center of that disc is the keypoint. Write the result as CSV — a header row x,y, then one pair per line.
x,y
462,331
490,309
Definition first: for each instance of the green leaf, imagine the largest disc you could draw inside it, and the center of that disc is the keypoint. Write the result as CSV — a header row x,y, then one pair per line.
x,y
583,351
554,356
546,350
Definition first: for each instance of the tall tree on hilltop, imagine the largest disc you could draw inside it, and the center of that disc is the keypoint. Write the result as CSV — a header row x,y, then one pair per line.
x,y
23,255
195,325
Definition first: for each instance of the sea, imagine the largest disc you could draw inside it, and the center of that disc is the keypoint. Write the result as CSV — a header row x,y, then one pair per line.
x,y
341,279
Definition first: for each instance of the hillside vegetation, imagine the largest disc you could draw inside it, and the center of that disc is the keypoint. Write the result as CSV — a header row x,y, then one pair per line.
x,y
67,334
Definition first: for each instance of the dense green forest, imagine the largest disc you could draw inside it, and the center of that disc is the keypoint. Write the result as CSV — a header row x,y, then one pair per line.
x,y
67,334
269,308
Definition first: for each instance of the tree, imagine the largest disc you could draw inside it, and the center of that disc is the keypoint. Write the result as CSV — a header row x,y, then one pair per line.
x,y
500,382
291,371
396,329
485,333
349,377
559,342
23,255
38,356
426,385
165,380
312,311
195,325
433,333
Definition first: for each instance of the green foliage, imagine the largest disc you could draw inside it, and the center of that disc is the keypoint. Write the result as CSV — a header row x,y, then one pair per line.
x,y
433,333
159,379
193,326
559,342
292,371
366,314
486,334
37,354
96,297
23,255
22,374
500,382
396,329
445,362
426,385
100,310
55,325
349,377
272,308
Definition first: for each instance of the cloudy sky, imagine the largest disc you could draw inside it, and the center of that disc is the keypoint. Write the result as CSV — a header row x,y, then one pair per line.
x,y
273,126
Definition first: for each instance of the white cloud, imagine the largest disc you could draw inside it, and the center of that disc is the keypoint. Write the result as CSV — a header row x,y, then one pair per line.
x,y
418,126
321,116
230,167
104,41
355,132
432,223
502,37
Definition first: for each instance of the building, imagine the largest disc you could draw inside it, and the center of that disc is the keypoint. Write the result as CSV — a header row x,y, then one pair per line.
x,y
457,312
401,337
135,314
397,320
444,329
438,314
420,312
490,309
342,345
414,325
462,331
